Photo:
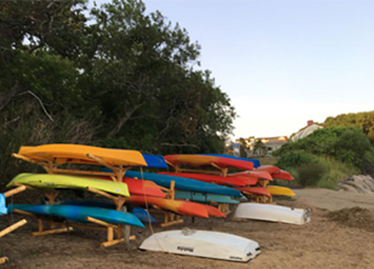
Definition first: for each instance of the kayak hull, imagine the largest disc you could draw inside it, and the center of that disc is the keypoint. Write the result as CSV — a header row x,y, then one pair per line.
x,y
231,181
280,191
207,244
80,213
196,160
204,198
185,184
48,181
273,213
180,207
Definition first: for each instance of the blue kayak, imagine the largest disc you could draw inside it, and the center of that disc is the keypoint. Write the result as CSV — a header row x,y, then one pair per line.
x,y
256,162
186,184
205,197
139,212
143,215
80,213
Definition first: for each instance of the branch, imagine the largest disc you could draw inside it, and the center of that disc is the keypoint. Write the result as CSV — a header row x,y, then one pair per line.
x,y
40,101
123,120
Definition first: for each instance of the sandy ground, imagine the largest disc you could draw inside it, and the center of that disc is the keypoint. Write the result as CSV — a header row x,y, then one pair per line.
x,y
333,239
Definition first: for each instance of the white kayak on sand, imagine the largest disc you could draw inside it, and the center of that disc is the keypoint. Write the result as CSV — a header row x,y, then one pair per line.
x,y
275,213
206,244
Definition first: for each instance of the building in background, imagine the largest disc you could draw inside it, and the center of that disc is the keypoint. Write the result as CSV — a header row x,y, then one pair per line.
x,y
305,131
261,146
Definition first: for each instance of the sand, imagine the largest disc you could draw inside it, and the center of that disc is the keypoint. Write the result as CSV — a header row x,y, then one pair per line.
x,y
340,235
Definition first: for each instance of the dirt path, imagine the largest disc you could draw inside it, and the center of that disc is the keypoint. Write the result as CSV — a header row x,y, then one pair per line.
x,y
334,200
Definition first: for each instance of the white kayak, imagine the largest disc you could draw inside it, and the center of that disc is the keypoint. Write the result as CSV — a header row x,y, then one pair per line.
x,y
206,244
274,213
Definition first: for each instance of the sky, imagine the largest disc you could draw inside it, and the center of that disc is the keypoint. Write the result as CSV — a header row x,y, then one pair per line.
x,y
282,62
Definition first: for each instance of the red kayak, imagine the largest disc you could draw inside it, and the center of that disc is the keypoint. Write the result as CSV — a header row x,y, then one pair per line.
x,y
196,160
259,175
282,175
268,168
255,191
177,206
141,187
232,181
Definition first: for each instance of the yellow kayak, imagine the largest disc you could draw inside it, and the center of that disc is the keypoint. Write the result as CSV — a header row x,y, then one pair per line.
x,y
71,153
48,181
283,191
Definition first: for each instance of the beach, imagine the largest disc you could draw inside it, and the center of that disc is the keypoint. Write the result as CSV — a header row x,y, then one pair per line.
x,y
340,235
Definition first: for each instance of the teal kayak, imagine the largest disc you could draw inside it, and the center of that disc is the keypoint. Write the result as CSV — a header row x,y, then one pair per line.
x,y
80,213
205,197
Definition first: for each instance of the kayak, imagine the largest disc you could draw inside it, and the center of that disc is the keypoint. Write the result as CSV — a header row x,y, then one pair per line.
x,y
231,181
255,191
196,160
207,244
80,213
280,191
256,162
50,181
282,175
71,153
259,175
268,168
185,184
184,208
204,198
273,213
212,211
140,187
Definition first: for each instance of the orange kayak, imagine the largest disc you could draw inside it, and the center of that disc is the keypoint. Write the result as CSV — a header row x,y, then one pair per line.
x,y
176,206
72,153
196,160
140,187
282,175
214,211
232,181
255,191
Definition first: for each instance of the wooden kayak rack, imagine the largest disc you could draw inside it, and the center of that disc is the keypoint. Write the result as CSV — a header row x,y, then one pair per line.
x,y
67,226
117,175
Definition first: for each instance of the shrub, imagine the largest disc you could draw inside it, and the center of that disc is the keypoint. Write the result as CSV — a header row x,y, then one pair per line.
x,y
310,174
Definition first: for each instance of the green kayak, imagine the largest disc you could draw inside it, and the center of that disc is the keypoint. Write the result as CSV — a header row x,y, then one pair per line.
x,y
48,181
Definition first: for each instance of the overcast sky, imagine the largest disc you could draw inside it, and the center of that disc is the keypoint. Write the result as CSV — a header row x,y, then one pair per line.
x,y
282,62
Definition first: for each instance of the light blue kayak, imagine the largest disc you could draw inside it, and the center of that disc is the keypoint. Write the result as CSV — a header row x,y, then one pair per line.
x,y
205,197
142,214
185,184
80,213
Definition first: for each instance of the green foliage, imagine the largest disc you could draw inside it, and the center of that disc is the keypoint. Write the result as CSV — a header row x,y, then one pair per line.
x,y
327,156
364,121
124,80
346,144
310,174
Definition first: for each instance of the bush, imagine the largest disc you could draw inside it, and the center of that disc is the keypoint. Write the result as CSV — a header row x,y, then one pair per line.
x,y
295,159
310,174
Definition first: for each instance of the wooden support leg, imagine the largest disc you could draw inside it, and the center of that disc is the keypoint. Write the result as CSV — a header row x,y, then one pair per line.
x,y
110,235
40,225
13,227
53,231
